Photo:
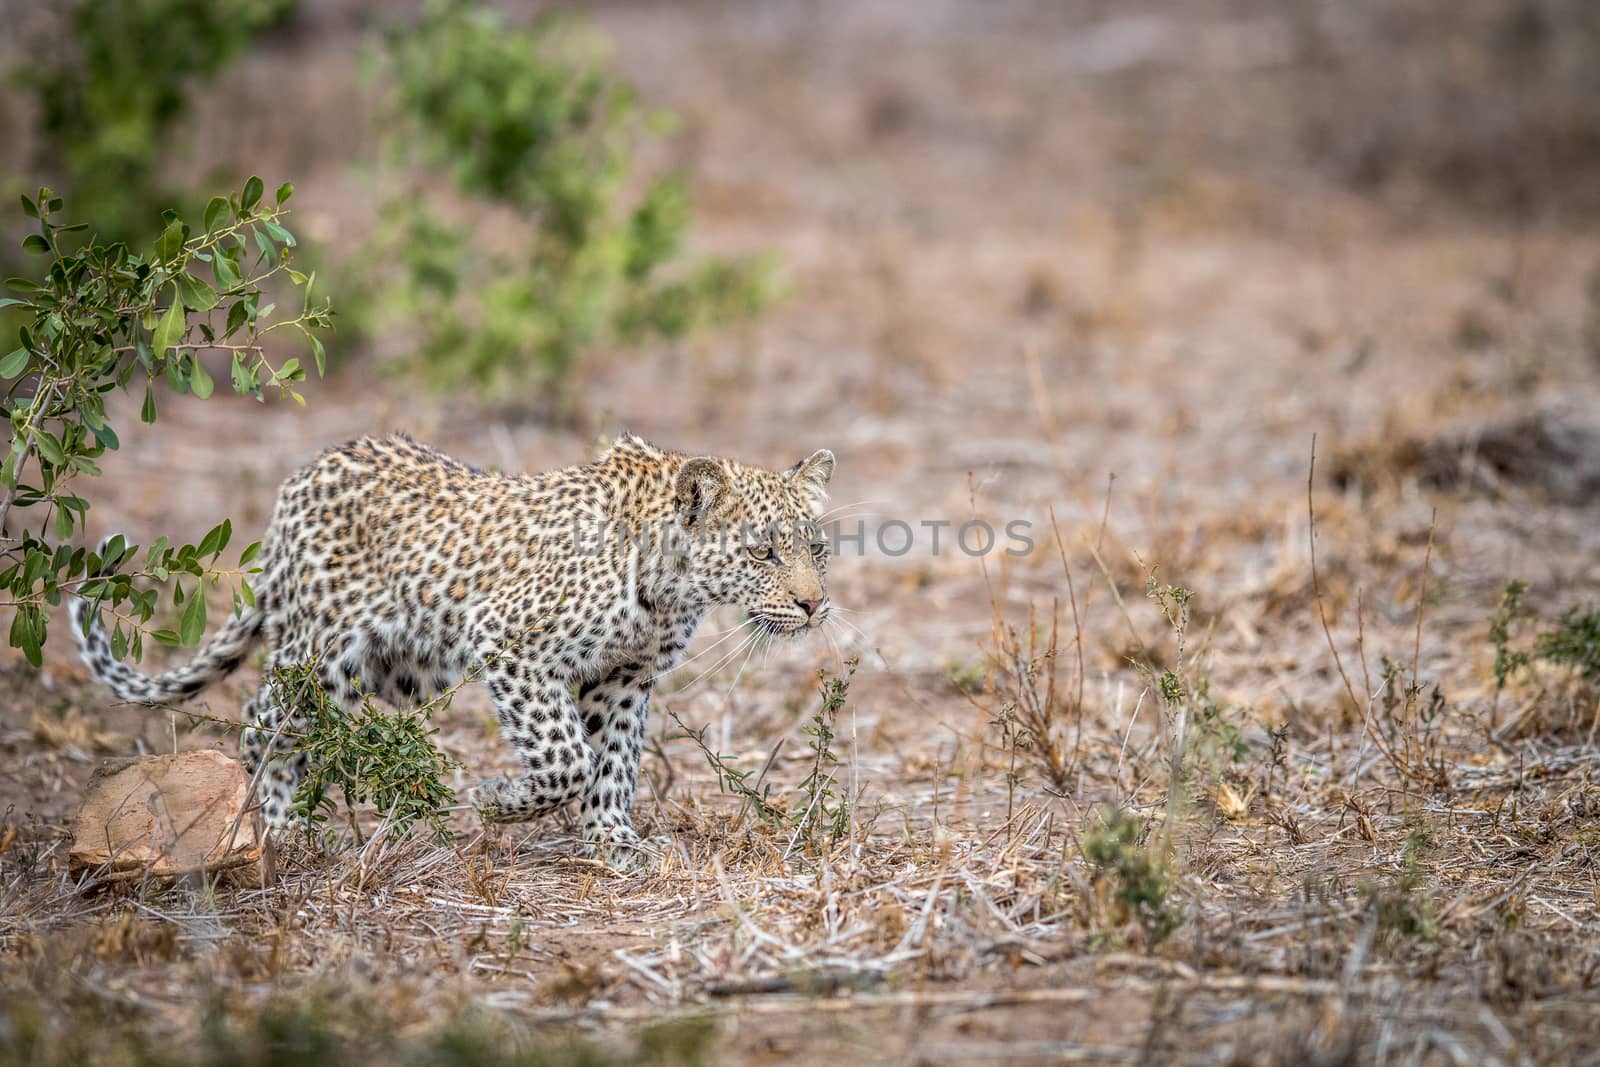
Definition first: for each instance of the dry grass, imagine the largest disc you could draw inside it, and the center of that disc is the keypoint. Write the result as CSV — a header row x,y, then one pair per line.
x,y
1316,871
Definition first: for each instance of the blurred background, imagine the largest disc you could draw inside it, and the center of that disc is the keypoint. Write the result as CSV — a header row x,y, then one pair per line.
x,y
992,255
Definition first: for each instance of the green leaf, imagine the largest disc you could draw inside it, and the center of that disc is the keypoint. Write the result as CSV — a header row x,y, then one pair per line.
x,y
250,552
171,241
148,412
28,632
28,207
244,378
166,637
236,318
63,524
193,624
106,436
269,251
285,191
169,331
252,193
34,243
49,447
322,357
197,293
216,539
200,383
12,364
222,267
281,235
216,214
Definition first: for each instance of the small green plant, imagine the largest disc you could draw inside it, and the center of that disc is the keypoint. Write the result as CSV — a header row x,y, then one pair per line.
x,y
1218,738
1174,689
1173,600
821,808
111,86
386,758
1013,739
1507,660
1410,722
102,317
1403,907
826,812
1138,877
967,677
1573,643
731,780
532,122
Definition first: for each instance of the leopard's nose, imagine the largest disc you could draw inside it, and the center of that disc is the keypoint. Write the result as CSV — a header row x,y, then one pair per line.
x,y
809,606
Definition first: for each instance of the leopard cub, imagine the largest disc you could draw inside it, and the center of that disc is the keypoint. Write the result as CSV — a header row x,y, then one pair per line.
x,y
399,571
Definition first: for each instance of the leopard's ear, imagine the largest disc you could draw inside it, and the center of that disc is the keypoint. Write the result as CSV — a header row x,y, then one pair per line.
x,y
812,474
701,485
627,441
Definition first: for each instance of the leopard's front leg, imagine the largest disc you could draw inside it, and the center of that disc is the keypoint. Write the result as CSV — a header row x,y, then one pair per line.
x,y
539,719
614,710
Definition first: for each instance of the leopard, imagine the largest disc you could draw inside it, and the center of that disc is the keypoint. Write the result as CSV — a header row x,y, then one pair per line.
x,y
400,572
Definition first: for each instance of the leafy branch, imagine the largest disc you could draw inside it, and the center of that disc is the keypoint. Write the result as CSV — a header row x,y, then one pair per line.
x,y
103,317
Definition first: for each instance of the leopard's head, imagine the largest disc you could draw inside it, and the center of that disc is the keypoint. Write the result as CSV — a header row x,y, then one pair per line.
x,y
756,540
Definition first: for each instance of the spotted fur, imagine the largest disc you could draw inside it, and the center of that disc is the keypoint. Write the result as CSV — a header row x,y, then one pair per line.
x,y
399,571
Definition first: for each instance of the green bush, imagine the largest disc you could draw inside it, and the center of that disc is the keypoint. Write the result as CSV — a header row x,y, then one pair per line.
x,y
531,121
100,317
1138,875
389,759
1573,643
110,91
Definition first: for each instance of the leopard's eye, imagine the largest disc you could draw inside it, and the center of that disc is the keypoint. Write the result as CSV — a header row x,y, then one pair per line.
x,y
760,552
819,550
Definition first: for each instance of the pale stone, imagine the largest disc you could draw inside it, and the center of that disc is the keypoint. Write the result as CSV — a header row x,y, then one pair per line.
x,y
164,816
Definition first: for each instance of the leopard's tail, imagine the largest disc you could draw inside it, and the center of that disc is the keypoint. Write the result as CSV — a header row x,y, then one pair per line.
x,y
216,659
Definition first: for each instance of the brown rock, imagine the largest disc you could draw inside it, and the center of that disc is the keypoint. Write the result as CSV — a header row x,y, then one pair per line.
x,y
164,816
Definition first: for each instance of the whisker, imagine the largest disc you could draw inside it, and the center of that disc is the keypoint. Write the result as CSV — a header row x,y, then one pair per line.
x,y
837,651
723,636
842,507
721,662
724,661
742,666
852,515
856,629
